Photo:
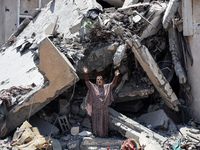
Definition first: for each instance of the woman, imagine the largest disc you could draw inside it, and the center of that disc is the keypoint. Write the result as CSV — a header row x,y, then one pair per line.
x,y
98,98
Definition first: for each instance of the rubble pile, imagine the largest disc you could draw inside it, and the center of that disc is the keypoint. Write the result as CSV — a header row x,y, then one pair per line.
x,y
143,40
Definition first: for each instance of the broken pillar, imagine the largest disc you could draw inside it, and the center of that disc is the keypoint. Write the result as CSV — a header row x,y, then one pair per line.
x,y
154,73
100,143
176,54
59,76
130,128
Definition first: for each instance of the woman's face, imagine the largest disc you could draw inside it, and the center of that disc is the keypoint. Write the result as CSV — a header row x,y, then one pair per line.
x,y
99,80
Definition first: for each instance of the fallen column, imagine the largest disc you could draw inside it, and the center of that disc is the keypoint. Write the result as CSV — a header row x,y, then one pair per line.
x,y
154,73
59,76
175,52
130,128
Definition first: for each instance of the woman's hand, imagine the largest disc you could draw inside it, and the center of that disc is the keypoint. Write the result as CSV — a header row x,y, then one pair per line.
x,y
85,69
117,72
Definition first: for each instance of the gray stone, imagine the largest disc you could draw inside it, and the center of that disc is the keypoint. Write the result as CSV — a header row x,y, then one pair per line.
x,y
149,142
66,138
85,133
56,144
73,145
119,54
136,18
157,119
75,130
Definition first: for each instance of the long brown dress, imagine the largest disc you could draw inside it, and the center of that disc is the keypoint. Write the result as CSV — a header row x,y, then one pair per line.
x,y
97,101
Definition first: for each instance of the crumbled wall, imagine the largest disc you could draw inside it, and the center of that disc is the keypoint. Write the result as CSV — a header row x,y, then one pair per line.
x,y
193,71
2,25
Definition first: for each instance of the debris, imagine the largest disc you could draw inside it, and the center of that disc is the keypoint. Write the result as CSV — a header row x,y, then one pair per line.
x,y
154,73
136,39
75,130
29,137
85,133
64,124
149,142
130,128
95,143
157,119
172,8
55,144
176,55
64,78
73,145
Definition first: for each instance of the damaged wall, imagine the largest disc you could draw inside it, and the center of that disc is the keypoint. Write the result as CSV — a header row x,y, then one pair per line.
x,y
2,20
14,12
193,71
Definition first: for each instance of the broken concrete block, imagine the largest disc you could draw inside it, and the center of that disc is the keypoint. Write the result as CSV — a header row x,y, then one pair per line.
x,y
64,123
59,74
85,133
190,133
136,18
129,2
154,26
154,73
73,145
76,25
149,142
130,128
100,142
75,130
56,144
44,127
157,119
171,9
119,55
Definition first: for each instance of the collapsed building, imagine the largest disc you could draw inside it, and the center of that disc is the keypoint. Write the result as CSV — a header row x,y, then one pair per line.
x,y
145,41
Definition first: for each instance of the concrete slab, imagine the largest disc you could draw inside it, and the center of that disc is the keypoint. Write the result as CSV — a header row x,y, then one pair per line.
x,y
130,128
157,119
59,75
100,143
154,73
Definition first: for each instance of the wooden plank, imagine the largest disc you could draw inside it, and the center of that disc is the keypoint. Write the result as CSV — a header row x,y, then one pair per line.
x,y
187,17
